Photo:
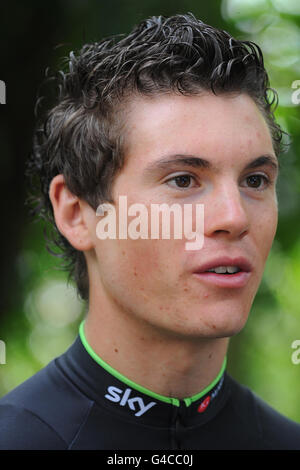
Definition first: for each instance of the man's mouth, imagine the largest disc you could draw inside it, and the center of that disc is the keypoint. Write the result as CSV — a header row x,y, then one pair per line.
x,y
225,272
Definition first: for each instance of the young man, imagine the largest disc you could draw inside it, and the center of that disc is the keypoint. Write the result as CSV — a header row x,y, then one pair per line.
x,y
176,112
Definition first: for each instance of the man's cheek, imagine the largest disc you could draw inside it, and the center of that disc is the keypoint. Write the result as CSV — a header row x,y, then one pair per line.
x,y
139,260
269,231
150,263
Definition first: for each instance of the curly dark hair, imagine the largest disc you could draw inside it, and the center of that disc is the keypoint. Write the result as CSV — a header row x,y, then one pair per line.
x,y
81,135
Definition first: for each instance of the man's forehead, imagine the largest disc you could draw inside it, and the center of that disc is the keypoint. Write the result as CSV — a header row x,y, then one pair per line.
x,y
197,131
144,115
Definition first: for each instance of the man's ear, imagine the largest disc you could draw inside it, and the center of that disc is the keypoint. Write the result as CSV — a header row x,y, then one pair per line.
x,y
69,214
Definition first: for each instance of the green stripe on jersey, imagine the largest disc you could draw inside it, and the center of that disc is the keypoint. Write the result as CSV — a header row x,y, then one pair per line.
x,y
140,388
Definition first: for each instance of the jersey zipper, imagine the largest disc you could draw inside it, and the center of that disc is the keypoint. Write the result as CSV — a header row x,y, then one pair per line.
x,y
176,428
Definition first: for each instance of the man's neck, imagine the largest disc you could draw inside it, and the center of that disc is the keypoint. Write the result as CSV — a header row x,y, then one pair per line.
x,y
167,364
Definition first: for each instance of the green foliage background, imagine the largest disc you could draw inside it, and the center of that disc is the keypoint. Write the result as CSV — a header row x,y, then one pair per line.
x,y
43,317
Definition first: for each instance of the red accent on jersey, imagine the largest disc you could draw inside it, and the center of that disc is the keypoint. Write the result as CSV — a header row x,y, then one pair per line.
x,y
204,404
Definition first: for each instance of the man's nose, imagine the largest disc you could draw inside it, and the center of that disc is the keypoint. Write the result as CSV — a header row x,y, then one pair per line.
x,y
227,213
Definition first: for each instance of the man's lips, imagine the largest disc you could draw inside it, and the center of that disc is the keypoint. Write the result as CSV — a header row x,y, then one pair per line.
x,y
238,279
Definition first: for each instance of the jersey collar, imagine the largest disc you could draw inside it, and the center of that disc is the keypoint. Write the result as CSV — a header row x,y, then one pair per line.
x,y
118,394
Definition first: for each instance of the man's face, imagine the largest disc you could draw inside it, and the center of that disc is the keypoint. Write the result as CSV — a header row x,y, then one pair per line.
x,y
158,281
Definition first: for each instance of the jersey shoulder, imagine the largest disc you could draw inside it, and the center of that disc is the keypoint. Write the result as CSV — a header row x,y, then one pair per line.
x,y
275,431
44,412
22,430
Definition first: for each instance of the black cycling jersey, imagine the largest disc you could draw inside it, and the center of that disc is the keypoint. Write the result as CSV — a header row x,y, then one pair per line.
x,y
79,402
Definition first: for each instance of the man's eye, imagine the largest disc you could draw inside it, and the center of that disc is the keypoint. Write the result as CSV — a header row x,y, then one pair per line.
x,y
181,181
257,181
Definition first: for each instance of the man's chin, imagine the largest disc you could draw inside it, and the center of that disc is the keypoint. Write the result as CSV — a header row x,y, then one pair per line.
x,y
224,327
198,333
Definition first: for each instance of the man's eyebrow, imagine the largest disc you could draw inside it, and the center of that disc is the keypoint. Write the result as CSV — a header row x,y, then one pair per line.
x,y
263,160
198,162
178,159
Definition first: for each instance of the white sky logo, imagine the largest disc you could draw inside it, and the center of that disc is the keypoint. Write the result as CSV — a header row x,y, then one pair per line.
x,y
115,396
139,226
